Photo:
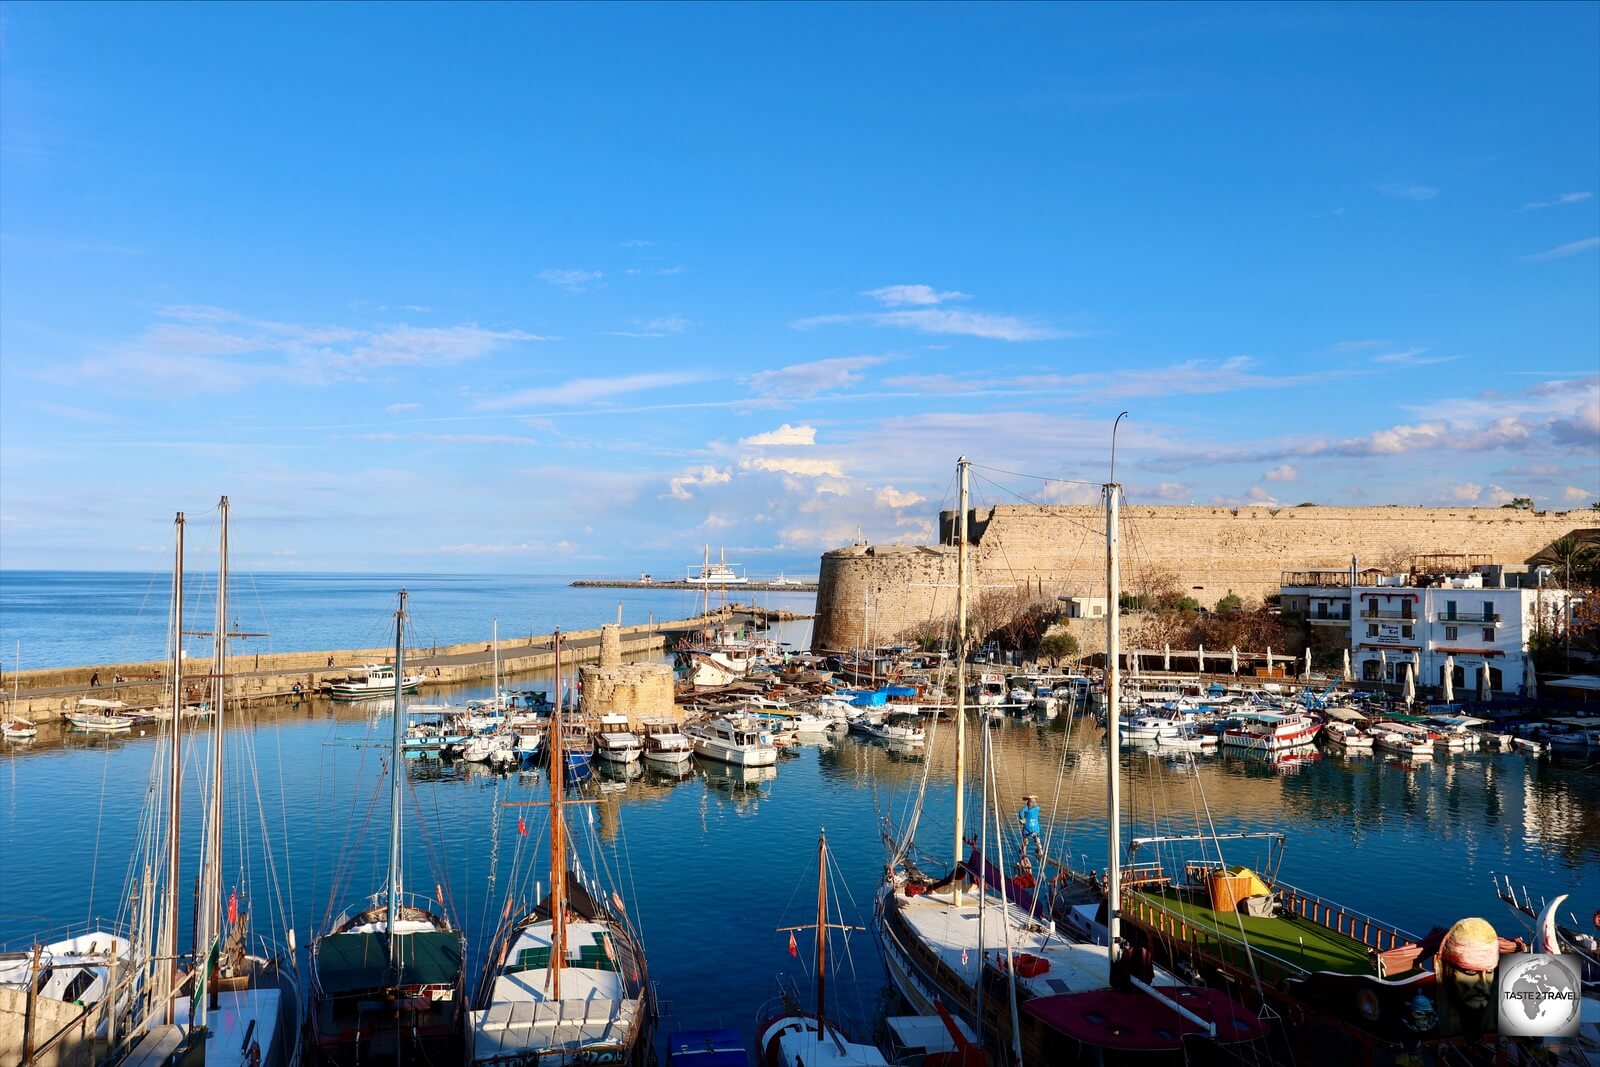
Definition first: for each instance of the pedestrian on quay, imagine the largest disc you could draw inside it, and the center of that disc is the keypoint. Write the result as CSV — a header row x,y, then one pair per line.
x,y
94,680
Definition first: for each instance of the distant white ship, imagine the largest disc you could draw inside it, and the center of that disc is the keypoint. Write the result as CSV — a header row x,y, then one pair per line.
x,y
719,573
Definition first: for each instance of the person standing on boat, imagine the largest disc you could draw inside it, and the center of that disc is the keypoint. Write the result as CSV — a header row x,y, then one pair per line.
x,y
1028,819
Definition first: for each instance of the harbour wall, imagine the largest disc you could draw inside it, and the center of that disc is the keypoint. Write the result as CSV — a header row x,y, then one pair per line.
x,y
871,593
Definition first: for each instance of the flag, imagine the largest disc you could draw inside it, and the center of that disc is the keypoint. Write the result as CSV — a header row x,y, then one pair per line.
x,y
522,826
205,968
438,891
233,907
963,957
794,948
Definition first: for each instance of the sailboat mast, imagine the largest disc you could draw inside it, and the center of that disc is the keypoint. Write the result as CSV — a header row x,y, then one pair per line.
x,y
395,773
167,950
558,833
961,673
822,935
208,928
497,705
1113,729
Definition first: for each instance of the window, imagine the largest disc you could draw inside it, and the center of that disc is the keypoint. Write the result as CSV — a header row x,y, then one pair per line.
x,y
1488,634
1451,633
1372,605
1488,613
1372,629
1449,609
1405,631
1405,609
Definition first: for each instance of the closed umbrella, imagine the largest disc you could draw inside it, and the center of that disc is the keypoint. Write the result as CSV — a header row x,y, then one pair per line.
x,y
1349,675
1202,658
1416,664
1409,693
1166,656
1383,663
1308,661
1529,678
1234,660
1483,682
1449,679
1269,661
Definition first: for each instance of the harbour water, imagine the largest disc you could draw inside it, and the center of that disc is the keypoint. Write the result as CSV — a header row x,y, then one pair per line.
x,y
711,865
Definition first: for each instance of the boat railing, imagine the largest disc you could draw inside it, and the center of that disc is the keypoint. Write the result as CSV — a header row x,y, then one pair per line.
x,y
379,900
23,945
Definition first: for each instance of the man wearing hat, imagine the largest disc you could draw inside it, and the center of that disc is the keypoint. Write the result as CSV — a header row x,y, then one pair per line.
x,y
1028,818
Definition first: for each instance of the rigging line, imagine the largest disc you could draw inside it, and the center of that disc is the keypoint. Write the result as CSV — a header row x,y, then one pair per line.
x,y
1034,503
100,818
1038,477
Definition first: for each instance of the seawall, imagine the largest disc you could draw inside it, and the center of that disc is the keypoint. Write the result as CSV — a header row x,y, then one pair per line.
x,y
871,593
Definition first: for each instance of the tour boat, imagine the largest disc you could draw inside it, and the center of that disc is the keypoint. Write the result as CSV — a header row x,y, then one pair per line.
x,y
664,743
18,730
375,680
739,742
388,976
102,716
1347,736
719,573
615,743
1267,731
565,982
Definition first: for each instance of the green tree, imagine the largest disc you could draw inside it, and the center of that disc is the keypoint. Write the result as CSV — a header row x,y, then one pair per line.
x,y
1057,646
1230,605
1521,503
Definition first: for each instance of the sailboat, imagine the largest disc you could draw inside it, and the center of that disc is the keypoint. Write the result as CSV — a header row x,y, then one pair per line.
x,y
795,1038
388,978
996,961
566,981
243,1006
16,728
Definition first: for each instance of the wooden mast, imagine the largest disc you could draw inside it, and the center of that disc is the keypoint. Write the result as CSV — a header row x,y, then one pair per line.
x,y
396,769
208,925
167,950
822,934
961,679
558,836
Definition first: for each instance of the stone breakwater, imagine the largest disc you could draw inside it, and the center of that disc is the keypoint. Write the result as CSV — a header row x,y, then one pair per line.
x,y
46,694
870,593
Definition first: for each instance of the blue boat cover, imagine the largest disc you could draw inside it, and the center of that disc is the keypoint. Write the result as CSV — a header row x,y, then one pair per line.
x,y
875,699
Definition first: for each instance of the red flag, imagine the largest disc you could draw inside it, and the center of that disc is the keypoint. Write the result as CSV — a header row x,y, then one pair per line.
x,y
522,826
438,891
233,907
794,949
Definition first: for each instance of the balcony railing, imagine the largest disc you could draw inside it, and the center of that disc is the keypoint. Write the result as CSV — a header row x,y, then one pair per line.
x,y
1396,615
1468,617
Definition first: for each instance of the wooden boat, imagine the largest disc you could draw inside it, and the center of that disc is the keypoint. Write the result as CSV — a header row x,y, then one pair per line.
x,y
1267,731
388,976
566,981
1347,737
101,716
375,680
1402,739
792,1037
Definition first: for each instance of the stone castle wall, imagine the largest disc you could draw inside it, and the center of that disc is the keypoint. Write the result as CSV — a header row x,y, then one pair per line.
x,y
870,593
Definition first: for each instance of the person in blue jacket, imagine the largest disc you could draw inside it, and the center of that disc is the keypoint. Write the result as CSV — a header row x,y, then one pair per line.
x,y
1028,818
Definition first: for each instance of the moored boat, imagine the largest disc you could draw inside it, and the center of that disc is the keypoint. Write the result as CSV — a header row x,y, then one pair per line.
x,y
1346,736
374,680
736,741
101,716
18,729
1268,731
664,743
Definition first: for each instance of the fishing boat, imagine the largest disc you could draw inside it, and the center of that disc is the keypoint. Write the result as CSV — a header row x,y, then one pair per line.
x,y
664,743
388,975
978,942
101,716
375,680
566,981
793,1037
736,741
243,1005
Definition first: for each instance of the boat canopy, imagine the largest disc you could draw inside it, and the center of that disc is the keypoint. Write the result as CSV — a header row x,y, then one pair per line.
x,y
1344,715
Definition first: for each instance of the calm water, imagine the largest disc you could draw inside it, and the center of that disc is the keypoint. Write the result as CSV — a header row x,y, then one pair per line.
x,y
711,866
76,618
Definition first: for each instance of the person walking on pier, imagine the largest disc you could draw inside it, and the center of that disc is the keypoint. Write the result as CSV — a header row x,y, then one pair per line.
x,y
94,680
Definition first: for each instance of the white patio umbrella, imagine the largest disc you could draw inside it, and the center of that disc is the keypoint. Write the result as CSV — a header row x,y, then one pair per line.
x,y
1202,659
1308,661
1234,660
1349,675
1416,664
1166,656
1409,693
1383,664
1530,678
1269,661
1483,682
1449,679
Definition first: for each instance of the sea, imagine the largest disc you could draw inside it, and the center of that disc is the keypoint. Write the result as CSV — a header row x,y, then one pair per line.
x,y
712,865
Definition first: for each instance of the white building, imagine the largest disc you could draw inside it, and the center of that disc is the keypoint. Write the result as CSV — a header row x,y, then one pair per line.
x,y
1480,622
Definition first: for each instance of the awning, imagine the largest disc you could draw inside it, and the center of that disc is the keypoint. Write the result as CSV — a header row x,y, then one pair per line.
x,y
1581,681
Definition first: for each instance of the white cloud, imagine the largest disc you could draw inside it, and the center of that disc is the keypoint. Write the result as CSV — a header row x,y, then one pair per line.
x,y
661,327
395,409
800,381
1409,192
783,435
808,468
451,438
1574,495
943,321
706,475
1571,248
1412,357
506,549
587,390
901,295
1564,198
1258,495
1282,473
890,497
429,346
1463,492
573,281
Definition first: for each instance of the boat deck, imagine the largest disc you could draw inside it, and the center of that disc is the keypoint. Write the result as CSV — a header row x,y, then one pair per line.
x,y
1291,939
359,961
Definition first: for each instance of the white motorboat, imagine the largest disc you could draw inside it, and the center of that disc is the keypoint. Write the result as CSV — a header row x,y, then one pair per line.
x,y
1402,739
1347,736
739,742
903,727
1189,740
617,746
103,716
1150,728
498,747
664,743
375,680
80,968
18,730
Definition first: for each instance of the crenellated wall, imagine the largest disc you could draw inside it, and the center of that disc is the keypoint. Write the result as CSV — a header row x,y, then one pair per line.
x,y
873,592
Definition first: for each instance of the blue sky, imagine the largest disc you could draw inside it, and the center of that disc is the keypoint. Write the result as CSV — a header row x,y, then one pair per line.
x,y
580,289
